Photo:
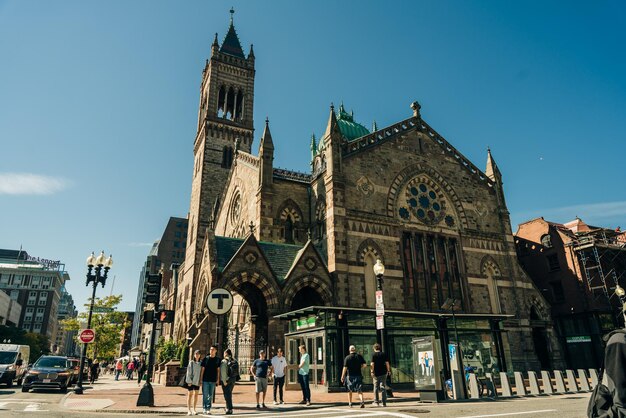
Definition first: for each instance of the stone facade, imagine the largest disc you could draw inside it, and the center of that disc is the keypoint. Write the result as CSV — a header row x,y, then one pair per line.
x,y
402,194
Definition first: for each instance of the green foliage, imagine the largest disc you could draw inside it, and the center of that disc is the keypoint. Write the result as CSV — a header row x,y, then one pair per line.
x,y
38,343
166,350
183,353
108,324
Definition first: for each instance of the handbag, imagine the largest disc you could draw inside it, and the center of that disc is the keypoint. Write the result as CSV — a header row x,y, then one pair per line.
x,y
183,382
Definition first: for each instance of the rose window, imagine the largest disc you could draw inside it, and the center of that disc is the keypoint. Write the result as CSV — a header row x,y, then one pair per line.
x,y
423,201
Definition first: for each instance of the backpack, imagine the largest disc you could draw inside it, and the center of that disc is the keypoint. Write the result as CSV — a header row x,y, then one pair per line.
x,y
601,400
233,370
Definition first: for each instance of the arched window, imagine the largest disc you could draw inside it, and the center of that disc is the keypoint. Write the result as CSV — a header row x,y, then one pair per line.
x,y
239,106
230,104
320,219
221,102
289,231
227,157
370,280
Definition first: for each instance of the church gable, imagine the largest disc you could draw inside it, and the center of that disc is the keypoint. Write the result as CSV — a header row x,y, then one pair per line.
x,y
238,204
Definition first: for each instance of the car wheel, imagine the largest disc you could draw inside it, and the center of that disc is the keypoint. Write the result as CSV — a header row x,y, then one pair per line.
x,y
24,389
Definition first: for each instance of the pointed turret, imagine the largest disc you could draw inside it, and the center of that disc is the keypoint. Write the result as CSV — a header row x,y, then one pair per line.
x,y
332,125
251,53
313,147
215,47
374,126
231,44
492,171
332,143
266,156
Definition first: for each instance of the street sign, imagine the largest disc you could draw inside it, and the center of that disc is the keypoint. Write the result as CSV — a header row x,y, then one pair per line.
x,y
380,309
87,336
380,322
219,301
379,297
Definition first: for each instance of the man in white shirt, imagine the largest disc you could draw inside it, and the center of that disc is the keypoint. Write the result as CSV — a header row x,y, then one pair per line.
x,y
278,367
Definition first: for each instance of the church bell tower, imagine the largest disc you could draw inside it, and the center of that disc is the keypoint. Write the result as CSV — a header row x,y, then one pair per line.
x,y
225,121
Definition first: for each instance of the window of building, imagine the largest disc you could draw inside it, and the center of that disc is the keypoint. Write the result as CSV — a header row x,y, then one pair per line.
x,y
36,282
557,291
30,310
43,302
177,234
14,294
37,327
26,281
553,262
26,326
432,270
546,241
177,244
40,310
289,231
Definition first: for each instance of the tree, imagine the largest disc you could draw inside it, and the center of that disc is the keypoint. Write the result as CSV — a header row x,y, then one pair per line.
x,y
38,343
166,350
108,324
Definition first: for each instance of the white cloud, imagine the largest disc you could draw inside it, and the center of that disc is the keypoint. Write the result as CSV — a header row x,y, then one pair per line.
x,y
28,183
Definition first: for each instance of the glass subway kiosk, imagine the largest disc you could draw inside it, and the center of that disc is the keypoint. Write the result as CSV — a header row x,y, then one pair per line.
x,y
328,332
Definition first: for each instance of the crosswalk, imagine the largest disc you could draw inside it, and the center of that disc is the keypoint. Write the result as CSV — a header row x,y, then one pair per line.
x,y
30,405
333,413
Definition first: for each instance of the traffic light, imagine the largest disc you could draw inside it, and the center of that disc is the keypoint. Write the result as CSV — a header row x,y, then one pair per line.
x,y
166,316
148,317
153,288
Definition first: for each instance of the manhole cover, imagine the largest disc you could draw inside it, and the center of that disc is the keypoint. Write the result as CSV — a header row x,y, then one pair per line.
x,y
415,411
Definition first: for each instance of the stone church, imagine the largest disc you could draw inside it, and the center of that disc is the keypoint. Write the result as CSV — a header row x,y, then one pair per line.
x,y
297,249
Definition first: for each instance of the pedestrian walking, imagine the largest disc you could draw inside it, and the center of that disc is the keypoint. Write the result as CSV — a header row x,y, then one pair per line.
x,y
380,369
130,368
259,370
210,376
142,368
351,375
303,376
119,366
229,373
279,363
192,378
93,371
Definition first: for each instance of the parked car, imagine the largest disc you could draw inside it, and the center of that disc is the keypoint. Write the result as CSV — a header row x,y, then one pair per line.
x,y
49,372
13,361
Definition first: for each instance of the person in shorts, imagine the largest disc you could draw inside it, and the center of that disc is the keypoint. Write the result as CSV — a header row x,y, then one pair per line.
x,y
259,370
192,378
351,375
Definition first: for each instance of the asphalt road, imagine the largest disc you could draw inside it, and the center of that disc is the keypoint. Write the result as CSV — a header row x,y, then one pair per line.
x,y
48,403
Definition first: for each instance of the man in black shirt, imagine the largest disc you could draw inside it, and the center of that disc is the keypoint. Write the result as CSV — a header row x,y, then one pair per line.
x,y
380,369
352,366
210,372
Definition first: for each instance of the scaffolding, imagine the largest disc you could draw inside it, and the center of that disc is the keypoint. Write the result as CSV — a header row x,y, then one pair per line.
x,y
602,255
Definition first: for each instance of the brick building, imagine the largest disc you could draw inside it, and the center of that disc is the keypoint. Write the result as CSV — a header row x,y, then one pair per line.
x,y
36,284
577,267
283,241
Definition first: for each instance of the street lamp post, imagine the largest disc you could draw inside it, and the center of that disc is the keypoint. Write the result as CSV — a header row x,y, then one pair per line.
x,y
449,304
379,271
97,272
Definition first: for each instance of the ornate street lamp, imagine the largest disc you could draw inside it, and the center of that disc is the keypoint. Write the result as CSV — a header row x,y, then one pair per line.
x,y
97,272
379,271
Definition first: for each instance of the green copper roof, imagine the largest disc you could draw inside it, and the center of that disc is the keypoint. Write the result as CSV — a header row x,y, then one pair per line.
x,y
348,127
279,256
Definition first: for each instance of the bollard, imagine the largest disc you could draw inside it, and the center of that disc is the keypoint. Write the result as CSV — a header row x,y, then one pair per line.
x,y
560,383
506,385
473,387
547,382
593,374
533,383
584,381
520,389
571,381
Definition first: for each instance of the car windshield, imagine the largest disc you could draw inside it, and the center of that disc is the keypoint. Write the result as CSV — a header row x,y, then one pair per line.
x,y
51,362
7,357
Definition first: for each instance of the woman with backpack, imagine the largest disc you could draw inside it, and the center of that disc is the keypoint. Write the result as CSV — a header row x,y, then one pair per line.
x,y
229,374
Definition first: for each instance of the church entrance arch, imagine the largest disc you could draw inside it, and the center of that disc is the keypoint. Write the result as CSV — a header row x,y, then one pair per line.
x,y
245,330
307,296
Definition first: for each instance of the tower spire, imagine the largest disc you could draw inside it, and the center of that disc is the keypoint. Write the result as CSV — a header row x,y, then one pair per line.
x,y
231,44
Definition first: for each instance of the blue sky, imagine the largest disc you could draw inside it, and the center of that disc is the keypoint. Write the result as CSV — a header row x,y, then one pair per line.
x,y
98,105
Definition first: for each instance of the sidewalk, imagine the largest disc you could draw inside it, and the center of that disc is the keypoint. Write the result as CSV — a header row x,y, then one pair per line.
x,y
107,395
